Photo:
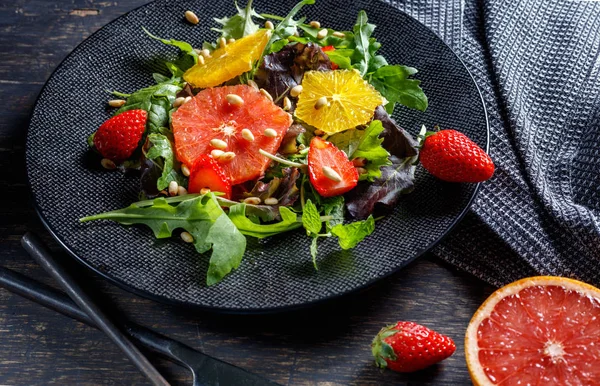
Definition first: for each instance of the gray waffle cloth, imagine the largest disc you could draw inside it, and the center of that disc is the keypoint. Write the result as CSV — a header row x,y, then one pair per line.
x,y
537,63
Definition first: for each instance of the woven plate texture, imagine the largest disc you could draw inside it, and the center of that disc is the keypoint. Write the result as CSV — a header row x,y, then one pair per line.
x,y
276,273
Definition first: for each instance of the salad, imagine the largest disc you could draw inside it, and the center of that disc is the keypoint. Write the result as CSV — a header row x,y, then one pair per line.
x,y
267,130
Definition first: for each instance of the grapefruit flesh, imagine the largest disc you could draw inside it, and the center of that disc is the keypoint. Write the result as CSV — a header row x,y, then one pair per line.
x,y
536,331
210,116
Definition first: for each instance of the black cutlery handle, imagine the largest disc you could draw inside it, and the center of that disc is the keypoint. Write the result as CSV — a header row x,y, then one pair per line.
x,y
38,251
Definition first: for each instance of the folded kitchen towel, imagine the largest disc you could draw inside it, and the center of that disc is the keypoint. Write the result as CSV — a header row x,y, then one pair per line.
x,y
537,63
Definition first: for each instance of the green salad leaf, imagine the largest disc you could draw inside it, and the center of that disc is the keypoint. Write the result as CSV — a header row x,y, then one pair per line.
x,y
311,220
201,216
240,24
393,84
362,34
162,154
157,100
350,235
188,58
237,214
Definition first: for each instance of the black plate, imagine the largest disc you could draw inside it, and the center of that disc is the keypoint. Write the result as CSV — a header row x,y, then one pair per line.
x,y
276,273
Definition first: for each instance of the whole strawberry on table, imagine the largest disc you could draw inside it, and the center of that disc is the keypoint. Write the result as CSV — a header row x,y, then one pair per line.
x,y
268,130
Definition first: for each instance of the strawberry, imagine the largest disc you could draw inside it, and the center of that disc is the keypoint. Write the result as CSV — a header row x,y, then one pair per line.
x,y
407,346
330,48
452,156
329,170
206,173
119,136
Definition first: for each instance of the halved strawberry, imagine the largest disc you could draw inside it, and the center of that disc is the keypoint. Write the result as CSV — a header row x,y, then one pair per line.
x,y
206,173
330,171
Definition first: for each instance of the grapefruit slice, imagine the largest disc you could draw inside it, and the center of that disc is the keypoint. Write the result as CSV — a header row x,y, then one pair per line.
x,y
536,331
210,116
350,100
228,62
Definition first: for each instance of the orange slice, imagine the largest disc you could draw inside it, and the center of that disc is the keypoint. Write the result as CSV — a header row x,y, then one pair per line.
x,y
536,331
351,101
228,62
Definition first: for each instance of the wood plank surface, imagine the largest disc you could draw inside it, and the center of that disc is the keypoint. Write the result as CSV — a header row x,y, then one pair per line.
x,y
329,344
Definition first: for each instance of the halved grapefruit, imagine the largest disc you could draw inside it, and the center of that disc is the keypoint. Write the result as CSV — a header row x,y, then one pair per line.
x,y
209,116
536,331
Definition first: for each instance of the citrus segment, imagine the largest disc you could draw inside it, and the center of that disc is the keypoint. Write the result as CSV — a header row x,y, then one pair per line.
x,y
351,101
541,331
210,116
228,62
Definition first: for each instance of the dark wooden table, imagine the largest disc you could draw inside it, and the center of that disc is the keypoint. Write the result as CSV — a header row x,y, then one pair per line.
x,y
325,345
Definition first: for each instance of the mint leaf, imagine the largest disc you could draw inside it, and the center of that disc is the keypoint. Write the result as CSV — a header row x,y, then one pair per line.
x,y
161,153
311,220
351,234
237,214
157,100
334,207
313,251
240,24
393,84
197,216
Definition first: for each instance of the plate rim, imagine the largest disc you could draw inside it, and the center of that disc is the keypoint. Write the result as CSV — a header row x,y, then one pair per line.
x,y
248,311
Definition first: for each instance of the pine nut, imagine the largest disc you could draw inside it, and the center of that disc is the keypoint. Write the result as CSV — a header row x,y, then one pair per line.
x,y
340,35
359,162
296,33
266,93
222,42
361,170
234,99
178,101
198,51
216,154
206,53
191,17
331,174
187,237
252,84
271,133
269,24
287,104
201,60
301,146
181,191
218,144
230,40
318,132
204,191
185,170
173,188
315,24
116,102
252,200
247,135
296,90
187,99
227,156
271,201
320,103
108,164
322,34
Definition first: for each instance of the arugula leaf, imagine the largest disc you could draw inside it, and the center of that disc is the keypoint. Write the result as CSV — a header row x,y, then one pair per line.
x,y
341,57
393,84
311,220
237,214
161,153
287,26
187,60
240,24
362,34
157,100
201,216
351,234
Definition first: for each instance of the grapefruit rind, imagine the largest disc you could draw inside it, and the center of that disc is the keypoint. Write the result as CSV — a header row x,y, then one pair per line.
x,y
229,61
351,100
476,371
